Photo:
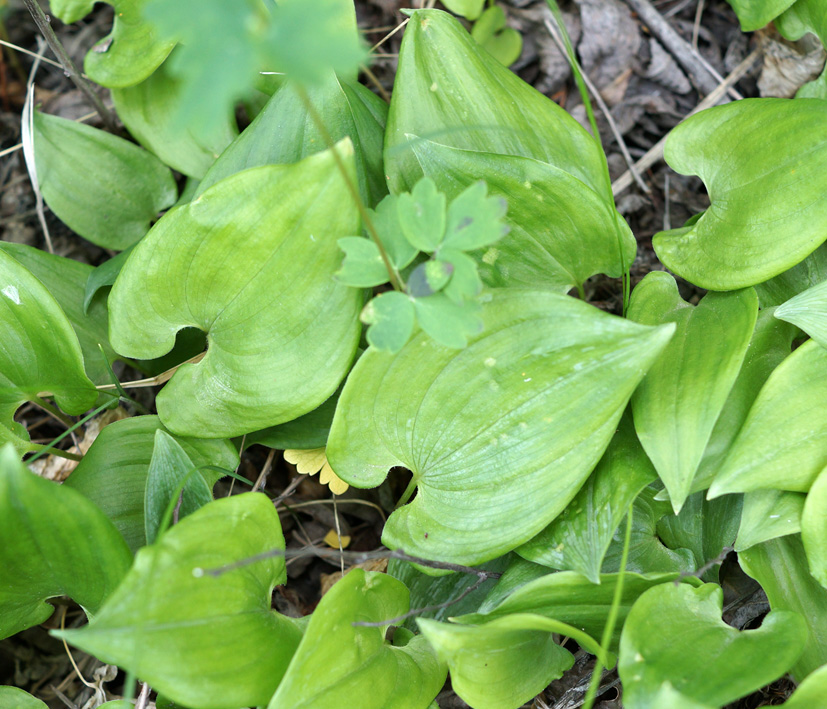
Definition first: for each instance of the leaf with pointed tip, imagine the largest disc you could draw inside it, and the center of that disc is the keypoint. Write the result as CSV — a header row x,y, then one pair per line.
x,y
755,14
674,637
203,640
39,351
806,274
422,215
113,473
808,310
783,443
768,514
391,318
578,539
53,542
504,663
283,132
500,435
15,698
814,528
249,262
571,598
765,215
780,566
150,109
66,280
129,53
677,404
338,660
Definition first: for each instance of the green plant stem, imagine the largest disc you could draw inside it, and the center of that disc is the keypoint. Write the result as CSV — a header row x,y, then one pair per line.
x,y
408,492
608,629
394,277
69,68
59,453
51,446
53,410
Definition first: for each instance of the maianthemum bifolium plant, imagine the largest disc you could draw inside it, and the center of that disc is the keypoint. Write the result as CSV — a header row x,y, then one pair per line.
x,y
574,473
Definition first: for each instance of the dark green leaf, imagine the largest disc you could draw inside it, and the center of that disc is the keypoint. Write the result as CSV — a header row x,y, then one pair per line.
x,y
304,433
391,319
103,276
422,215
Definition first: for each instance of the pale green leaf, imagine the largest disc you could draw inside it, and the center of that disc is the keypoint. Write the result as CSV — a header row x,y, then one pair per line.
x,y
362,266
39,351
814,528
338,661
578,539
806,274
765,215
677,404
103,187
768,514
465,282
808,310
504,43
475,219
780,566
422,215
389,228
15,698
674,637
508,661
469,9
501,435
783,443
391,319
203,640
249,262
53,542
113,473
755,14
446,321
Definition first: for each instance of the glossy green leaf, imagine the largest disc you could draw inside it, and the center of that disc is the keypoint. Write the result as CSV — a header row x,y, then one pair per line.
x,y
501,435
674,636
39,351
578,539
469,9
783,442
518,573
113,473
677,404
15,698
505,663
250,262
808,310
103,187
129,53
203,640
810,692
571,598
814,528
150,109
755,14
765,215
503,43
304,433
422,215
284,132
780,566
66,280
391,318
771,343
474,219
449,323
337,661
169,469
103,276
768,514
362,266
48,534
806,274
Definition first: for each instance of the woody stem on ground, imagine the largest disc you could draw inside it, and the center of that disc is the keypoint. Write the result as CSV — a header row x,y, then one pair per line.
x,y
394,277
43,24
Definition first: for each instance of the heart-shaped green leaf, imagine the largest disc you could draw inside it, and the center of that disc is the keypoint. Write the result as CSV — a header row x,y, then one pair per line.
x,y
128,54
203,640
150,112
66,280
113,473
39,351
500,435
338,661
765,215
755,14
103,187
579,537
284,132
808,310
783,443
15,698
506,662
768,514
780,566
814,528
680,398
571,598
249,262
53,542
674,636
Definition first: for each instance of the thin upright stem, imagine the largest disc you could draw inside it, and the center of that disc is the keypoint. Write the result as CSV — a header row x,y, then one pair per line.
x,y
69,68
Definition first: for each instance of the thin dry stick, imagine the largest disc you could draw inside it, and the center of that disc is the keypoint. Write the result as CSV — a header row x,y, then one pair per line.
x,y
372,77
655,153
310,503
265,471
339,535
552,30
15,47
290,489
143,697
69,653
68,65
162,378
696,28
389,35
